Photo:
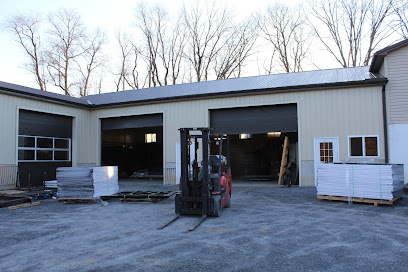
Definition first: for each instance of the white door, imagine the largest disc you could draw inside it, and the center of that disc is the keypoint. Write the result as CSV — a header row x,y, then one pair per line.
x,y
326,150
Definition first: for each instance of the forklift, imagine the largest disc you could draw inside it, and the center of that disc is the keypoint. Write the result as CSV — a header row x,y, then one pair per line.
x,y
205,189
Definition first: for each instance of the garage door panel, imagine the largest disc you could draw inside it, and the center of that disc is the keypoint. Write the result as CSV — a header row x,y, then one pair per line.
x,y
254,119
44,124
33,171
135,121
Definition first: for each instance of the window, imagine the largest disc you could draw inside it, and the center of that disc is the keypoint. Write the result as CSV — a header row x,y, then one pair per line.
x,y
326,152
150,138
363,146
37,148
244,136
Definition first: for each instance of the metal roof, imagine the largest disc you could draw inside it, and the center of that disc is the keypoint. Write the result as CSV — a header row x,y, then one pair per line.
x,y
309,80
41,95
267,83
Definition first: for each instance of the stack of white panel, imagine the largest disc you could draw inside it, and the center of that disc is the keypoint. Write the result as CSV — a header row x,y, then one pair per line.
x,y
87,182
372,181
75,182
105,181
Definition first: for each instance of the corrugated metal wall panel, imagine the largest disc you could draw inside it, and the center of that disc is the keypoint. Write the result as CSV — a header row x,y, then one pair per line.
x,y
8,176
397,86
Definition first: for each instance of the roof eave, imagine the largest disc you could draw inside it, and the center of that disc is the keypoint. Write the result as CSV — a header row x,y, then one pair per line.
x,y
379,56
337,85
43,98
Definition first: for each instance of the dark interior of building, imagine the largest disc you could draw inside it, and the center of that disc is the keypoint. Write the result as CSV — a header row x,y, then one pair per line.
x,y
258,156
133,150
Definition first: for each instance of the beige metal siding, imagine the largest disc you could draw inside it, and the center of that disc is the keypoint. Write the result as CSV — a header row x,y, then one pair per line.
x,y
324,113
9,107
383,69
397,86
8,176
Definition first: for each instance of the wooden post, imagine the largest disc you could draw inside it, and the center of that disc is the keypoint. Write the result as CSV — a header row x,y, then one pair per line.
x,y
284,160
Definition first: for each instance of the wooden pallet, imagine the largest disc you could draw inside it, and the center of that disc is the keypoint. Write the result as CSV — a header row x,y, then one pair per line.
x,y
143,196
10,192
7,201
25,205
140,200
77,200
376,202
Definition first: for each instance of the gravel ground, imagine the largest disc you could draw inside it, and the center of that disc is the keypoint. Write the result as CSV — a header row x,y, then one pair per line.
x,y
266,229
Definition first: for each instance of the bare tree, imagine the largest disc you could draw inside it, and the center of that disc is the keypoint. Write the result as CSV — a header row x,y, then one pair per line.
x,y
26,30
162,51
126,48
151,23
66,38
176,50
231,59
284,28
400,10
90,60
354,28
207,30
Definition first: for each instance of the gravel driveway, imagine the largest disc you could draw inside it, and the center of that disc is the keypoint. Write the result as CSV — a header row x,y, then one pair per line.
x,y
266,229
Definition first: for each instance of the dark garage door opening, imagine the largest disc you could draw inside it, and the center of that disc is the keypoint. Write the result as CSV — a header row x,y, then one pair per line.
x,y
259,156
257,137
134,144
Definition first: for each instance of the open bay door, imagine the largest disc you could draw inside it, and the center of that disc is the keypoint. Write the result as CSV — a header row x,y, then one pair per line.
x,y
256,138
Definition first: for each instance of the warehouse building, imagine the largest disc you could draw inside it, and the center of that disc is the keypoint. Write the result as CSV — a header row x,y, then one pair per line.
x,y
350,114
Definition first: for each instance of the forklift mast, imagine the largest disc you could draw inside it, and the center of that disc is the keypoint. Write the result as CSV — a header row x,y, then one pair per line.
x,y
201,189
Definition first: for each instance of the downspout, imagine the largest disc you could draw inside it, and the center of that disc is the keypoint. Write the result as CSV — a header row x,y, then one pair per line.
x,y
385,124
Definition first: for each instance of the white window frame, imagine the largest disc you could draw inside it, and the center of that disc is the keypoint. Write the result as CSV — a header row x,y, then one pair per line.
x,y
364,148
53,149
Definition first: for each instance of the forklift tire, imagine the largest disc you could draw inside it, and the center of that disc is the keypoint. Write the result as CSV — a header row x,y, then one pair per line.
x,y
217,205
228,202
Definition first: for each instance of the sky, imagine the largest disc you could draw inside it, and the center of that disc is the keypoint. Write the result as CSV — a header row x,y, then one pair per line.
x,y
108,15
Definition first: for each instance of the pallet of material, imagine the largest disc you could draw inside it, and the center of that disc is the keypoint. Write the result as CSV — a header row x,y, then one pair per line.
x,y
72,200
357,180
75,182
7,201
87,182
376,202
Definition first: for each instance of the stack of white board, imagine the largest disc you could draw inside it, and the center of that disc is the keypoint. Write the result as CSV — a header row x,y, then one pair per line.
x,y
373,181
87,182
105,181
75,182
